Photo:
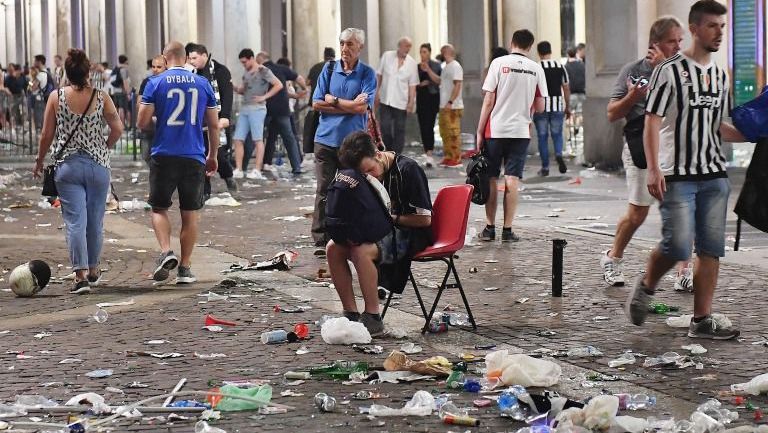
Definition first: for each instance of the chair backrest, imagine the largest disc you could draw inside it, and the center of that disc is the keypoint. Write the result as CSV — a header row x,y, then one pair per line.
x,y
450,213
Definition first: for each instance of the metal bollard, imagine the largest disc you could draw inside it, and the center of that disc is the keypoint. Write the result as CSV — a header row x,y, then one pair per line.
x,y
558,245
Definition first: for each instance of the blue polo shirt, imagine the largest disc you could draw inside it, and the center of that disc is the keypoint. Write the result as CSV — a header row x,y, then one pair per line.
x,y
334,127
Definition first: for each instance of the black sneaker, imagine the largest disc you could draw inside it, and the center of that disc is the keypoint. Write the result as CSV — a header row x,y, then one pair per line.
x,y
94,279
488,234
184,276
561,164
710,328
165,263
352,316
509,236
231,185
543,172
373,323
80,288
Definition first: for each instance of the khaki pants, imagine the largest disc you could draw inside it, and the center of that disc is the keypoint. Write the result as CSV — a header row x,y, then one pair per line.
x,y
449,122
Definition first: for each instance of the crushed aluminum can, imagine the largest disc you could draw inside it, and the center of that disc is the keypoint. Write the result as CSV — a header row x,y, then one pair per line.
x,y
363,395
325,402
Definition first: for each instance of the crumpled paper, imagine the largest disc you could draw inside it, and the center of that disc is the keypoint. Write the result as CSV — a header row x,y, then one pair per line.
x,y
436,366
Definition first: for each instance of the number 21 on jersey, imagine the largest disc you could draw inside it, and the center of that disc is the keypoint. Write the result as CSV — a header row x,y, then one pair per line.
x,y
177,115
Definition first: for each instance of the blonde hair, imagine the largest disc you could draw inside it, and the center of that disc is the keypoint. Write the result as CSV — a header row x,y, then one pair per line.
x,y
660,28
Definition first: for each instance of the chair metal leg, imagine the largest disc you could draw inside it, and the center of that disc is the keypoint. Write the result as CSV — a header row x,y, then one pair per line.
x,y
452,267
418,295
386,305
437,298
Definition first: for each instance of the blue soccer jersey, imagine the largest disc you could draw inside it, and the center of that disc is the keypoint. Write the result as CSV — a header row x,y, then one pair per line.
x,y
180,99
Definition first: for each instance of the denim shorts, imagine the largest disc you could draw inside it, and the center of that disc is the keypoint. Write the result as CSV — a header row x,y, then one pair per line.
x,y
512,151
250,119
694,211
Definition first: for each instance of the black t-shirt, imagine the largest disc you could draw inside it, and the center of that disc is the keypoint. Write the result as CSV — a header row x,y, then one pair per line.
x,y
576,80
314,75
408,190
15,84
278,104
433,89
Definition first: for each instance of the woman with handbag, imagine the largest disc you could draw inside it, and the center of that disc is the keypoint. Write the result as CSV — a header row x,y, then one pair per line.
x,y
79,173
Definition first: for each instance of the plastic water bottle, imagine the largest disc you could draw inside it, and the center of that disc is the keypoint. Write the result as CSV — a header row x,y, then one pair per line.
x,y
510,407
456,319
278,336
661,308
635,402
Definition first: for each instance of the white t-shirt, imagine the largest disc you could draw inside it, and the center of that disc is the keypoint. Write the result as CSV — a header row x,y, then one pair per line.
x,y
517,80
451,72
395,82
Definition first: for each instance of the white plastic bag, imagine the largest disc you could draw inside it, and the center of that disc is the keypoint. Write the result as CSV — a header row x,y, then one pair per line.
x,y
97,401
521,369
421,404
600,412
756,386
340,330
623,424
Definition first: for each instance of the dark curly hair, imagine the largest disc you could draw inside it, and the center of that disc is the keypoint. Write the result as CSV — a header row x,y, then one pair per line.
x,y
78,67
355,147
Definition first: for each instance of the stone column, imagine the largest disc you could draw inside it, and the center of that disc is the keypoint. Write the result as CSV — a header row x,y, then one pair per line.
x,y
612,41
315,25
135,39
63,26
548,27
35,20
245,17
520,14
4,48
182,20
94,27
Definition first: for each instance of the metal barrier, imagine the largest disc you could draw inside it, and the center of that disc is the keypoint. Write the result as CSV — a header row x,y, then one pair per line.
x,y
20,135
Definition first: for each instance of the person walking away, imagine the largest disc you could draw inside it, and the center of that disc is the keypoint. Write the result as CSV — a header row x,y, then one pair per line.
x,y
343,98
157,67
451,106
279,119
514,84
221,82
628,102
396,79
556,109
183,103
258,85
682,139
427,101
74,118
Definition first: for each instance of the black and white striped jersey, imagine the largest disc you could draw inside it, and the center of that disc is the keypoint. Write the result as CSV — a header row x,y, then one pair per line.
x,y
692,98
556,76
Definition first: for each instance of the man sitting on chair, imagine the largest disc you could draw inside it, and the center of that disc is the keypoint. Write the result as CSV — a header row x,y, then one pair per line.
x,y
411,211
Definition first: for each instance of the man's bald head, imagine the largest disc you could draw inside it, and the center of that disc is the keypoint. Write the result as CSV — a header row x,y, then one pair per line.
x,y
175,54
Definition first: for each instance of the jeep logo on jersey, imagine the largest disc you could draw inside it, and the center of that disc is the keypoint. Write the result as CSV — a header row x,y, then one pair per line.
x,y
704,100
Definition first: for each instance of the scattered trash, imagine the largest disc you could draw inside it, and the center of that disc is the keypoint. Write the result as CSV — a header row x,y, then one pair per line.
x,y
623,359
115,304
373,350
100,316
224,200
410,348
518,369
210,355
204,427
211,321
289,218
303,375
756,386
302,350
262,394
98,374
636,401
435,366
580,352
154,355
98,405
695,349
325,402
278,336
339,369
589,218
341,330
421,404
491,289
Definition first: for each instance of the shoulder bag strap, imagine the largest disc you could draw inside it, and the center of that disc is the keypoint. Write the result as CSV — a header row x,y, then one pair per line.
x,y
77,126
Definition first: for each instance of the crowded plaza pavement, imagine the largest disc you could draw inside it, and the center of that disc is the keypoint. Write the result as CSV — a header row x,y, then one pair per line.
x,y
508,286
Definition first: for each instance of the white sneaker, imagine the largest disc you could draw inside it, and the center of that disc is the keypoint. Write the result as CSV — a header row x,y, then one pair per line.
x,y
612,273
684,280
255,174
429,162
238,174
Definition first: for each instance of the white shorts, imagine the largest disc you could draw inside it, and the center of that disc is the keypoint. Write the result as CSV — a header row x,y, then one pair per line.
x,y
637,188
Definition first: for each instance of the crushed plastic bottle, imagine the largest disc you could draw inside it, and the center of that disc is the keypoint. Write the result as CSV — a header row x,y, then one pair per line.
x,y
714,409
578,352
509,405
665,359
472,385
456,319
325,402
623,359
455,380
204,427
636,401
34,401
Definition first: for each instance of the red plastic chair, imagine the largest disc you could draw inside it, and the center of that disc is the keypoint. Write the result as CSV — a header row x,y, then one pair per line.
x,y
450,213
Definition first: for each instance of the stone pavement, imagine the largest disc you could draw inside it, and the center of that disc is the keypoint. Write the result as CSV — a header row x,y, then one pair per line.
x,y
588,314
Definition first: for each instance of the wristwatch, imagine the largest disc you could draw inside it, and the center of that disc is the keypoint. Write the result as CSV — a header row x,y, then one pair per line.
x,y
335,100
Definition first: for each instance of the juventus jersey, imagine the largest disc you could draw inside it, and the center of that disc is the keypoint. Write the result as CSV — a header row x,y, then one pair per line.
x,y
556,76
692,99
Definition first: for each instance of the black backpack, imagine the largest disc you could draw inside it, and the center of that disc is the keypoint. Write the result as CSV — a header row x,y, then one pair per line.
x,y
354,212
50,86
752,205
477,176
117,78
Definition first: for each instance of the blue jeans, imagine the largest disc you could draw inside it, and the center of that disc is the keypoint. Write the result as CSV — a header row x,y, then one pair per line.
x,y
549,123
83,186
282,125
694,211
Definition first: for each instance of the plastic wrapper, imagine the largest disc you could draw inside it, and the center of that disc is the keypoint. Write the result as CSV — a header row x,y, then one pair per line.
x,y
341,330
261,393
435,366
421,404
521,369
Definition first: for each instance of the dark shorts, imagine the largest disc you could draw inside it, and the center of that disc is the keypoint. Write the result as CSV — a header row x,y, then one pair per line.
x,y
169,173
120,100
512,151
